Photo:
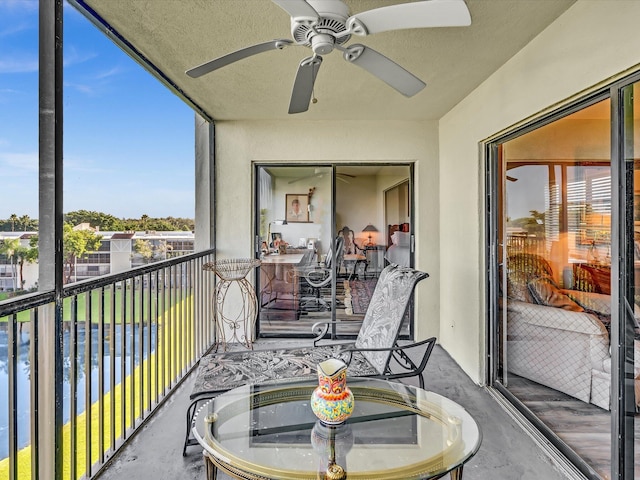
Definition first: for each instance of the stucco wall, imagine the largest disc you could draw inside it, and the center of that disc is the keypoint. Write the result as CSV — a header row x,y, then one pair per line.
x,y
238,144
592,41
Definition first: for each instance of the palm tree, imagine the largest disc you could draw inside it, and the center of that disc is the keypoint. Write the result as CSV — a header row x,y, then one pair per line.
x,y
26,255
10,247
25,220
13,219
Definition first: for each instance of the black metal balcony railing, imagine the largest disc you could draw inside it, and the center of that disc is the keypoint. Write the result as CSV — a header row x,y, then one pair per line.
x,y
128,340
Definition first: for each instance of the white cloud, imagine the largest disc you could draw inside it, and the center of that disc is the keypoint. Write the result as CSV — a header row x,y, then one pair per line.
x,y
73,56
15,29
18,164
19,5
109,73
6,94
83,88
26,63
95,84
84,165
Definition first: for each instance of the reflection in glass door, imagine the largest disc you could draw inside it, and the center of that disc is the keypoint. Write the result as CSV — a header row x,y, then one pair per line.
x,y
294,241
321,258
553,315
564,256
373,217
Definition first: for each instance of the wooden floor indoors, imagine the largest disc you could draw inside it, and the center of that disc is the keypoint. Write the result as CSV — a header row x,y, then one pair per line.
x,y
583,426
294,319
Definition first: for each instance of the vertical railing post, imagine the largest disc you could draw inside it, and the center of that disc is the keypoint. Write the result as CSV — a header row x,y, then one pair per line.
x,y
47,411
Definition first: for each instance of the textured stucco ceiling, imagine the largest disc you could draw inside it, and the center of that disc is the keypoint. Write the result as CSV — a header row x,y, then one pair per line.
x,y
175,35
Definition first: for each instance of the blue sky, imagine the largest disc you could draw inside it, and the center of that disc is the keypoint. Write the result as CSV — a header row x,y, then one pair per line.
x,y
128,141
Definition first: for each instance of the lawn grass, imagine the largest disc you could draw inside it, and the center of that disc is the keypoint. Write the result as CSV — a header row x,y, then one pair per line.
x,y
82,309
170,366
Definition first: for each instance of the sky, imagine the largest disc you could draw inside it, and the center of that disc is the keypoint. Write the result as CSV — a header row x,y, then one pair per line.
x,y
128,141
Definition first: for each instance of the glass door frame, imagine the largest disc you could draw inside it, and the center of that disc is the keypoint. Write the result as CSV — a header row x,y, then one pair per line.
x,y
335,168
622,254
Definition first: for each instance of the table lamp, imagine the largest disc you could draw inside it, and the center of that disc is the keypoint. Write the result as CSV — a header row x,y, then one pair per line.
x,y
369,229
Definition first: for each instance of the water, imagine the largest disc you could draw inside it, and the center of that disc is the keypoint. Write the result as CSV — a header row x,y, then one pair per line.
x,y
23,407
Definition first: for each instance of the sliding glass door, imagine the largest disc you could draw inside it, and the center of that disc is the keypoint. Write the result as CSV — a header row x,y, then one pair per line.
x,y
564,256
294,240
324,233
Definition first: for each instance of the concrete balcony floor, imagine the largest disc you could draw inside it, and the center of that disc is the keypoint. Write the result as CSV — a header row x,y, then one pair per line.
x,y
507,451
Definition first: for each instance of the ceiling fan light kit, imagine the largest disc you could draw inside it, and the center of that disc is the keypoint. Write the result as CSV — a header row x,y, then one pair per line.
x,y
327,25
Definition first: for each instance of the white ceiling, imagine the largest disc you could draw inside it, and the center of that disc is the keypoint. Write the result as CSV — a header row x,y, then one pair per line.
x,y
175,35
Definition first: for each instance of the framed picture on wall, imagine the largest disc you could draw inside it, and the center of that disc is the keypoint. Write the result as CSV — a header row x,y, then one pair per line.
x,y
297,207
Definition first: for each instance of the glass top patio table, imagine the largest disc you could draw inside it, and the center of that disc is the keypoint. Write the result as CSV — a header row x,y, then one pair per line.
x,y
396,431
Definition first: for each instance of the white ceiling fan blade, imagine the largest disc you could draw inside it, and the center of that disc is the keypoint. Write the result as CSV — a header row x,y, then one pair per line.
x,y
298,9
300,179
303,85
386,70
425,14
340,176
225,60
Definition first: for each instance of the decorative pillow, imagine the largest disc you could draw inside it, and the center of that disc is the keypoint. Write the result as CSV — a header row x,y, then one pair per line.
x,y
544,292
517,287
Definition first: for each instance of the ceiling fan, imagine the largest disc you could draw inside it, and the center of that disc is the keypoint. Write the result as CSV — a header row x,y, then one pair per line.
x,y
326,25
319,173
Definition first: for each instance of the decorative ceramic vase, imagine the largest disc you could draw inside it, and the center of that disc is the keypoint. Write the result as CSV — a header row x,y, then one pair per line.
x,y
332,401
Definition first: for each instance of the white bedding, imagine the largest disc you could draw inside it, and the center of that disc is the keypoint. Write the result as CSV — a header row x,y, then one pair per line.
x,y
399,255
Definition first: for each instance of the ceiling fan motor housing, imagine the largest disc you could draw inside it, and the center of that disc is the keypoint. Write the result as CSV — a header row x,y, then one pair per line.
x,y
321,36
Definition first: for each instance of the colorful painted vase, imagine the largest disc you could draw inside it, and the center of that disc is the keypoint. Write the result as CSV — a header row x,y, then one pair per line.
x,y
332,401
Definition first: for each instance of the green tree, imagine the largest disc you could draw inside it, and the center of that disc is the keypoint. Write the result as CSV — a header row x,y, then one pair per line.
x,y
103,221
26,255
25,221
145,249
13,219
163,249
10,247
534,224
77,243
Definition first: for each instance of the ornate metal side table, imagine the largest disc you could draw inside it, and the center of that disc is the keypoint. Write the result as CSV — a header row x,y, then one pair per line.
x,y
241,323
396,432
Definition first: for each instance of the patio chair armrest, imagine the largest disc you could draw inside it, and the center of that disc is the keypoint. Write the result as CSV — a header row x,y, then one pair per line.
x,y
402,359
320,329
395,348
